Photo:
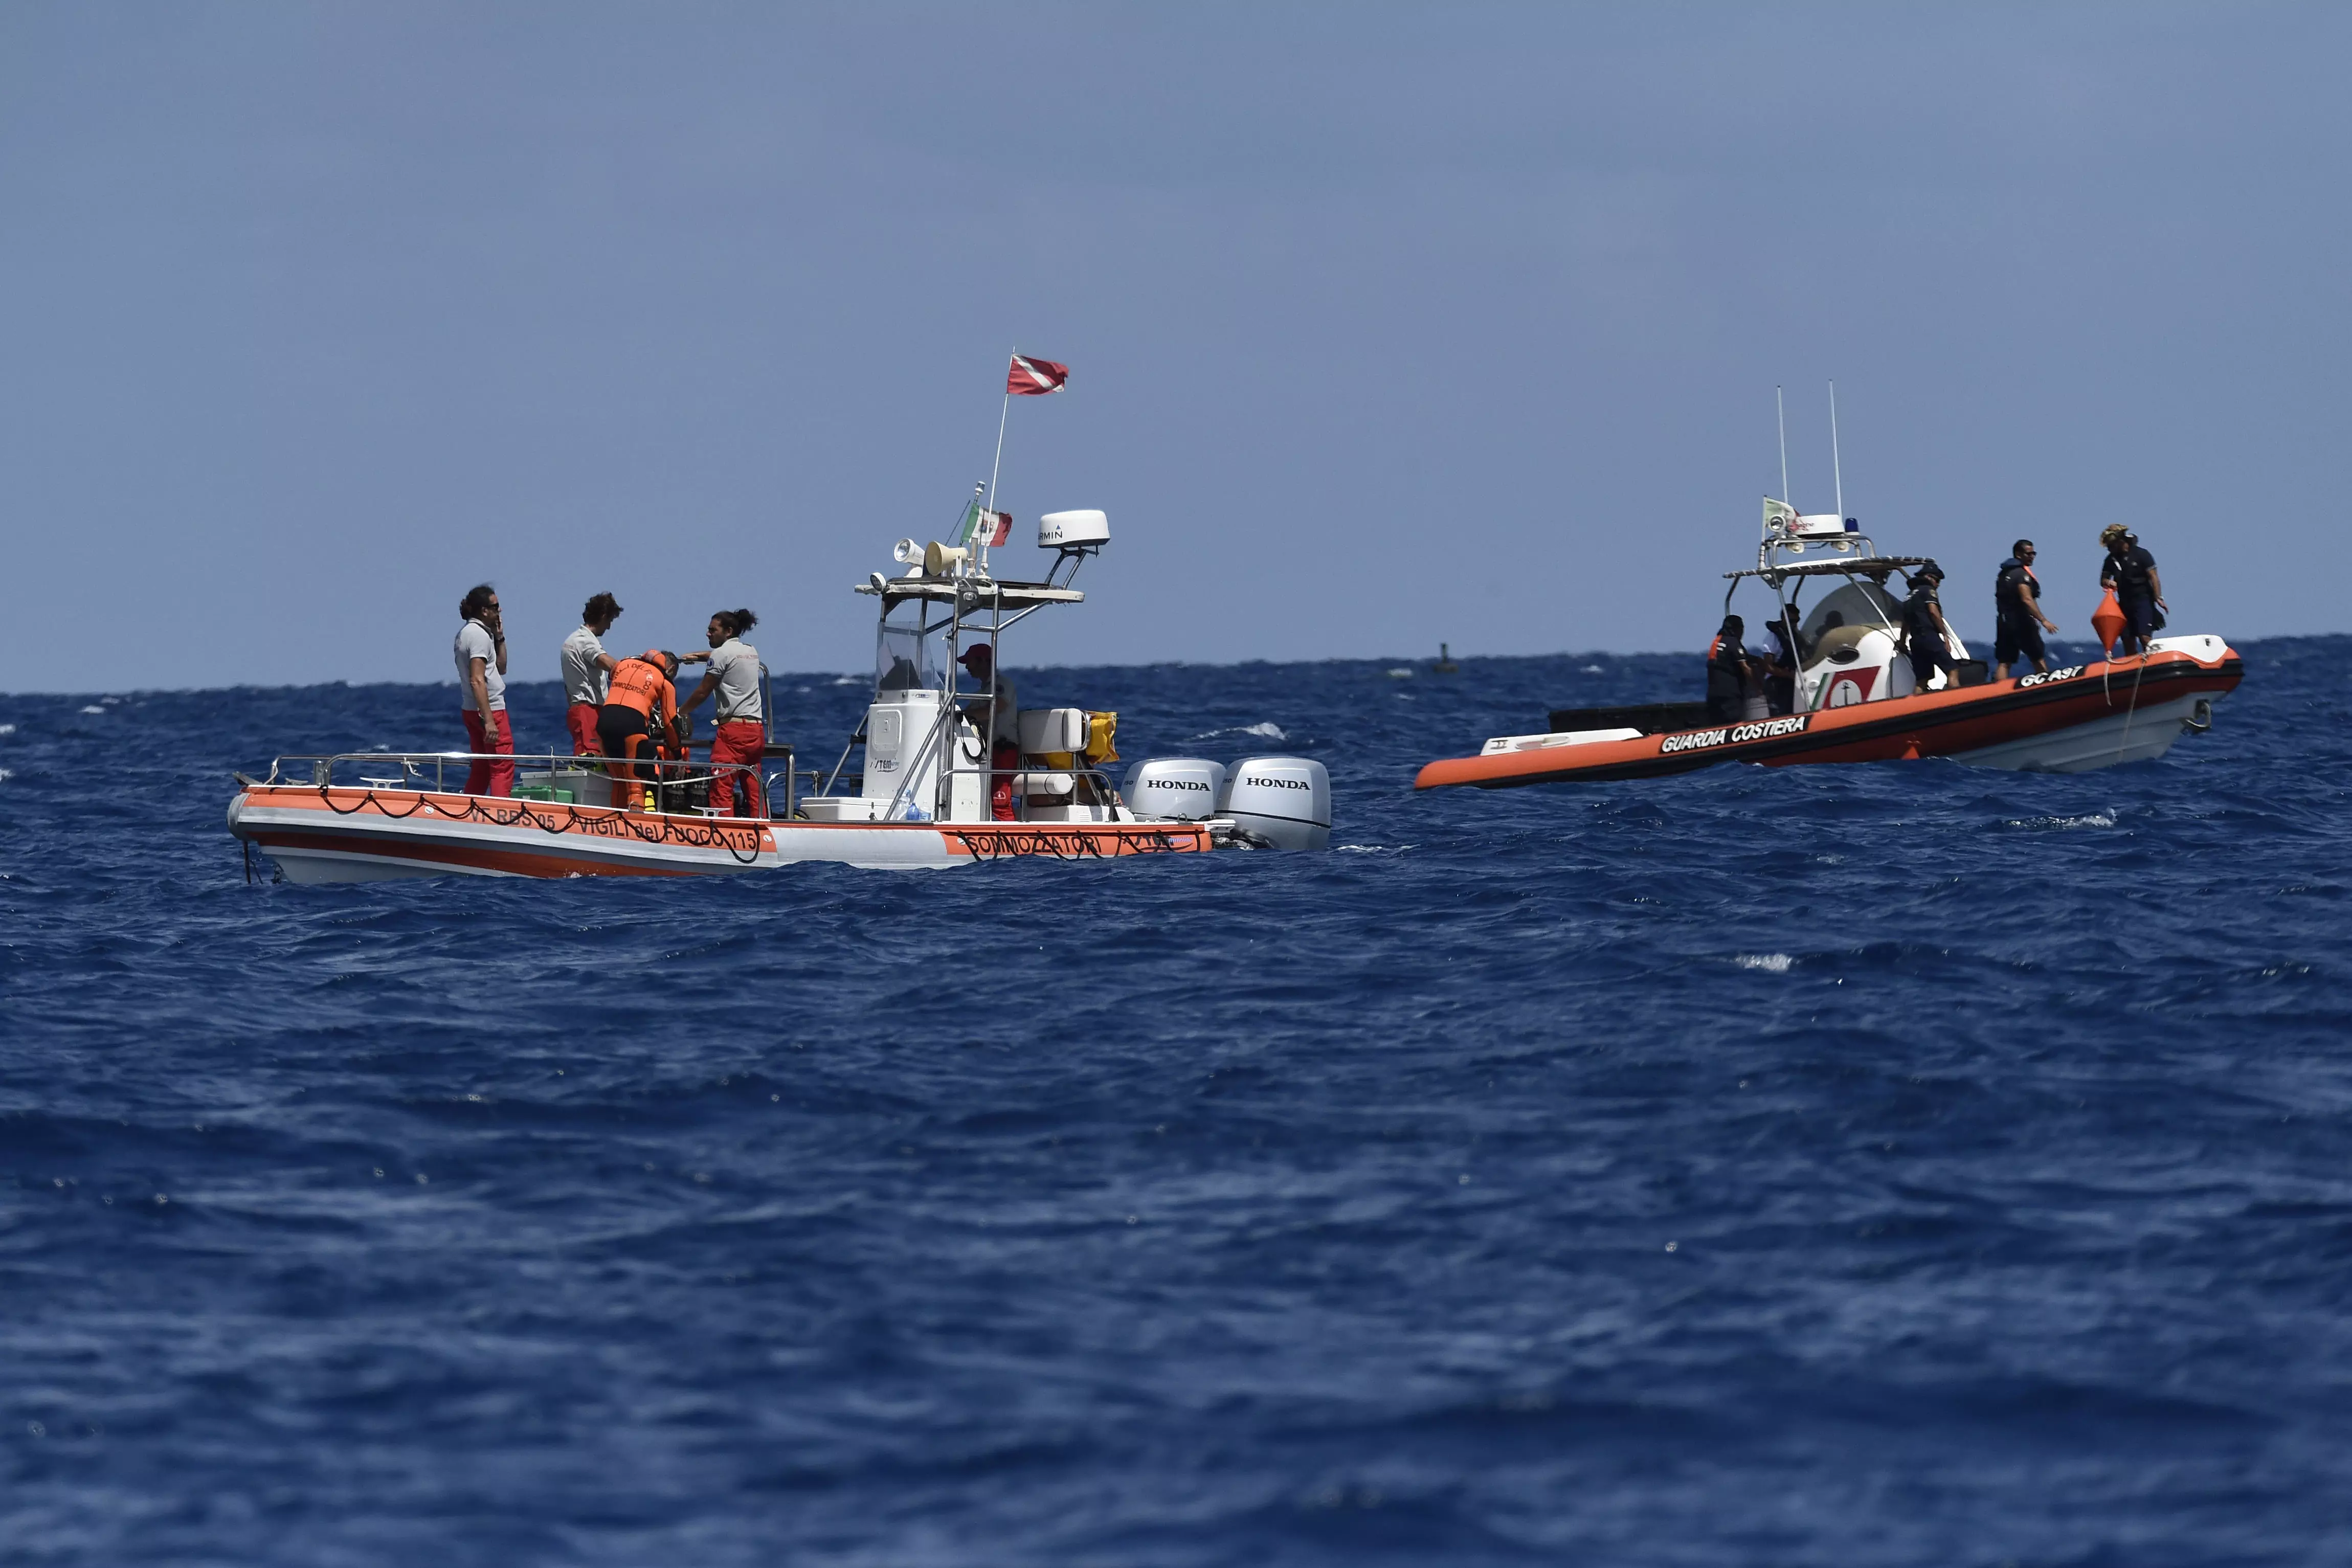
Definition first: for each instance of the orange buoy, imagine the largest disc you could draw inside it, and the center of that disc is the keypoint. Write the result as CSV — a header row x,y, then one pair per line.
x,y
2108,622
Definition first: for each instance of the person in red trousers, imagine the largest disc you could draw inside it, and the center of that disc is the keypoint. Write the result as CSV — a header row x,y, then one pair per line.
x,y
997,713
587,670
740,739
482,683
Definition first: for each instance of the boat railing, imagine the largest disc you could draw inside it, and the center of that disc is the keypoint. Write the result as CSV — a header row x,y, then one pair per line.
x,y
1086,780
1090,785
429,772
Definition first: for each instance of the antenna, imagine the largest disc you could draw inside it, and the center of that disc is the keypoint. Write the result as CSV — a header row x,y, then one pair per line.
x,y
1834,468
1781,412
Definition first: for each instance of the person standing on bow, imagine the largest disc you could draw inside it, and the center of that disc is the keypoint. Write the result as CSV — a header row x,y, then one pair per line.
x,y
2017,601
482,684
586,669
1924,631
740,739
640,697
2131,572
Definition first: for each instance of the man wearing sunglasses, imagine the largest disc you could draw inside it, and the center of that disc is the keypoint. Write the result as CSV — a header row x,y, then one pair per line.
x,y
2017,600
482,684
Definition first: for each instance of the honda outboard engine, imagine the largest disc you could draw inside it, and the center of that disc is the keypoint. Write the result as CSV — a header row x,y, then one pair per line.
x,y
1177,789
1286,801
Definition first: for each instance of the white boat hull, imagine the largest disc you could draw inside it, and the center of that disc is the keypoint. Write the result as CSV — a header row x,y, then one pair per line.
x,y
2134,736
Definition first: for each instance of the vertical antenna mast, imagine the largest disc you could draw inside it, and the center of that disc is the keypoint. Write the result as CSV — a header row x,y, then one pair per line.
x,y
1834,468
1781,412
996,466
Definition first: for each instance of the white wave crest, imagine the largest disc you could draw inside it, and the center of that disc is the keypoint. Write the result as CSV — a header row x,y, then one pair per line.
x,y
1263,732
1592,669
849,680
2096,819
7,728
1770,963
93,708
6,775
1373,848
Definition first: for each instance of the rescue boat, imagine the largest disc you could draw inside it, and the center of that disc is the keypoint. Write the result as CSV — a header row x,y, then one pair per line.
x,y
949,775
1855,699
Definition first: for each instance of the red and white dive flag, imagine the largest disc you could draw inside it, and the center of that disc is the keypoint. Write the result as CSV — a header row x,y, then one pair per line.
x,y
1035,377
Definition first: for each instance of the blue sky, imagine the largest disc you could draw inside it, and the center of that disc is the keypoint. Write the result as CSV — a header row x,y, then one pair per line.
x,y
1388,325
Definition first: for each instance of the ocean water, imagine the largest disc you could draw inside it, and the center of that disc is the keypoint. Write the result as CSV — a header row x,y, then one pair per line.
x,y
1897,1165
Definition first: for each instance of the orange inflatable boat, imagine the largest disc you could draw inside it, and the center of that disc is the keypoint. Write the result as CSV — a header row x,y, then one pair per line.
x,y
1855,699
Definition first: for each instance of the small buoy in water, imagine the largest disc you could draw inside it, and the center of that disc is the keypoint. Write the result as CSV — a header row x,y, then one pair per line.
x,y
1444,665
2108,622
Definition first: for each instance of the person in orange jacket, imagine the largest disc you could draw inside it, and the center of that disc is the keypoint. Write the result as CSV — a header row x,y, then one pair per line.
x,y
640,698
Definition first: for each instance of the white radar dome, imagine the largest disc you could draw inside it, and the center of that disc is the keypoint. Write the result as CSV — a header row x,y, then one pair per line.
x,y
1057,528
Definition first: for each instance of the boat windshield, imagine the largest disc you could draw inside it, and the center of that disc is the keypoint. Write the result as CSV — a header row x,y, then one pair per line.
x,y
1857,603
902,654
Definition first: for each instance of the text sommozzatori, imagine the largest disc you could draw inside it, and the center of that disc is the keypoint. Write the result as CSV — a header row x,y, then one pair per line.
x,y
1733,734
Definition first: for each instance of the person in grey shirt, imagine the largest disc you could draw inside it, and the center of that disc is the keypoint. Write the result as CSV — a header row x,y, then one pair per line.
x,y
740,738
481,653
587,672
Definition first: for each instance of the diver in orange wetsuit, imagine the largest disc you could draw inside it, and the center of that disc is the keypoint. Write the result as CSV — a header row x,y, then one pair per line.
x,y
640,697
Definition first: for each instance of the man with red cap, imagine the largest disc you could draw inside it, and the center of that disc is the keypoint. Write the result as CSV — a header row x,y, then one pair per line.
x,y
996,714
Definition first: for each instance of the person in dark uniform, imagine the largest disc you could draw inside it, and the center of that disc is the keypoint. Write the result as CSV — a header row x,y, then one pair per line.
x,y
2131,572
1779,670
2017,601
1729,673
1924,631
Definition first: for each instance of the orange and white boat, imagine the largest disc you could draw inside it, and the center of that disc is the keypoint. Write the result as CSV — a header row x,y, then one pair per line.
x,y
1855,699
946,778
367,816
374,830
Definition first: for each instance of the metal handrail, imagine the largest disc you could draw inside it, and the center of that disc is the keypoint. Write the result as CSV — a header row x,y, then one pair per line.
x,y
978,608
1094,774
321,767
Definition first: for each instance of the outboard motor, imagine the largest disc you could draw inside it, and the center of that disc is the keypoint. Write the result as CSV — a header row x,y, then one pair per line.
x,y
1286,801
1177,789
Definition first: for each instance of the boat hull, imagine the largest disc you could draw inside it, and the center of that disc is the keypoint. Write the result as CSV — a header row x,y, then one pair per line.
x,y
2073,720
915,846
361,835
338,834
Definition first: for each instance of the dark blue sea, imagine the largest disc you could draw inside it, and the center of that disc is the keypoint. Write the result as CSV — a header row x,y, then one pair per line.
x,y
1900,1164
